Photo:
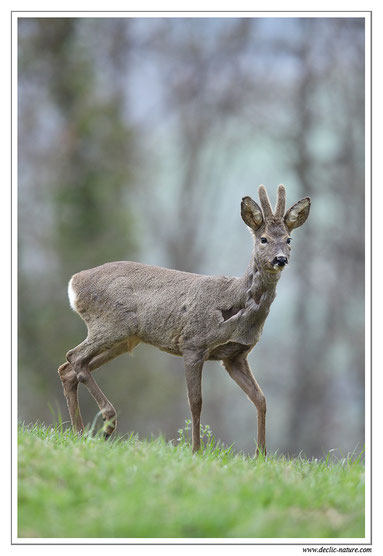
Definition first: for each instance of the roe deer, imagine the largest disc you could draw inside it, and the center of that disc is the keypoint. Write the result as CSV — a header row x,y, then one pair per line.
x,y
197,317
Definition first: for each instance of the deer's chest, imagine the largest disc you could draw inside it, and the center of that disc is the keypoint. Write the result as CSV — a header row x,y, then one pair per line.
x,y
243,331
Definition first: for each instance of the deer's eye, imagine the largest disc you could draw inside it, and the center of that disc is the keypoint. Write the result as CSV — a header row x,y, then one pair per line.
x,y
263,240
288,240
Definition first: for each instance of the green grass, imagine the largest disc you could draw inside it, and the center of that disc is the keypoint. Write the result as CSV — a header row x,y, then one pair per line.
x,y
75,487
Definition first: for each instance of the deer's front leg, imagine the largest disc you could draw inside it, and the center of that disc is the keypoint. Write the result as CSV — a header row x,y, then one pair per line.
x,y
239,370
193,371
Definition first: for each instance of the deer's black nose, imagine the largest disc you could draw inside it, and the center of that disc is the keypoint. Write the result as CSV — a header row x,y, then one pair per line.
x,y
280,261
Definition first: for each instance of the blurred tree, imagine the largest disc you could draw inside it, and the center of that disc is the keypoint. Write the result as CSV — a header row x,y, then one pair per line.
x,y
203,94
314,384
94,145
80,212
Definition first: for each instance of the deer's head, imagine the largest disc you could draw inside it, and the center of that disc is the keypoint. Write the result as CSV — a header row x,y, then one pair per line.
x,y
272,230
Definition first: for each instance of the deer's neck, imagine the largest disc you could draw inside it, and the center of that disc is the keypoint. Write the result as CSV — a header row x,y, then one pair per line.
x,y
259,282
258,290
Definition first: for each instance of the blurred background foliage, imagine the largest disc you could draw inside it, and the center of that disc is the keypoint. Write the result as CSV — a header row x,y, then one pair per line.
x,y
137,139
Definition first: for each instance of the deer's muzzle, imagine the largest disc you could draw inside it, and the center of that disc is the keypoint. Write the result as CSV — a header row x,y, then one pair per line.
x,y
280,261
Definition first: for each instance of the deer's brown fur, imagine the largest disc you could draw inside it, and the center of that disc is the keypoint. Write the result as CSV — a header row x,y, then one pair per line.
x,y
194,316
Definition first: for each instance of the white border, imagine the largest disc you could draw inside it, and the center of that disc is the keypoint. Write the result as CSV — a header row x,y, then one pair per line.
x,y
162,541
14,377
184,14
367,318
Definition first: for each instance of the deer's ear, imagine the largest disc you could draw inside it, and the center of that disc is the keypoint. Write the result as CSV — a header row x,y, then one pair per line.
x,y
297,214
251,213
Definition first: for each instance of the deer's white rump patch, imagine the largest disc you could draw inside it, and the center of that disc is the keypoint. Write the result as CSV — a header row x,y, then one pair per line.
x,y
72,296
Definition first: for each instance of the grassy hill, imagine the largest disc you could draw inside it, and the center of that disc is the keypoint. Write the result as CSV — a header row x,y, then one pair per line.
x,y
75,487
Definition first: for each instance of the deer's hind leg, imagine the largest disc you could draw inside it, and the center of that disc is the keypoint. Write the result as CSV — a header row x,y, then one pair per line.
x,y
83,359
70,384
